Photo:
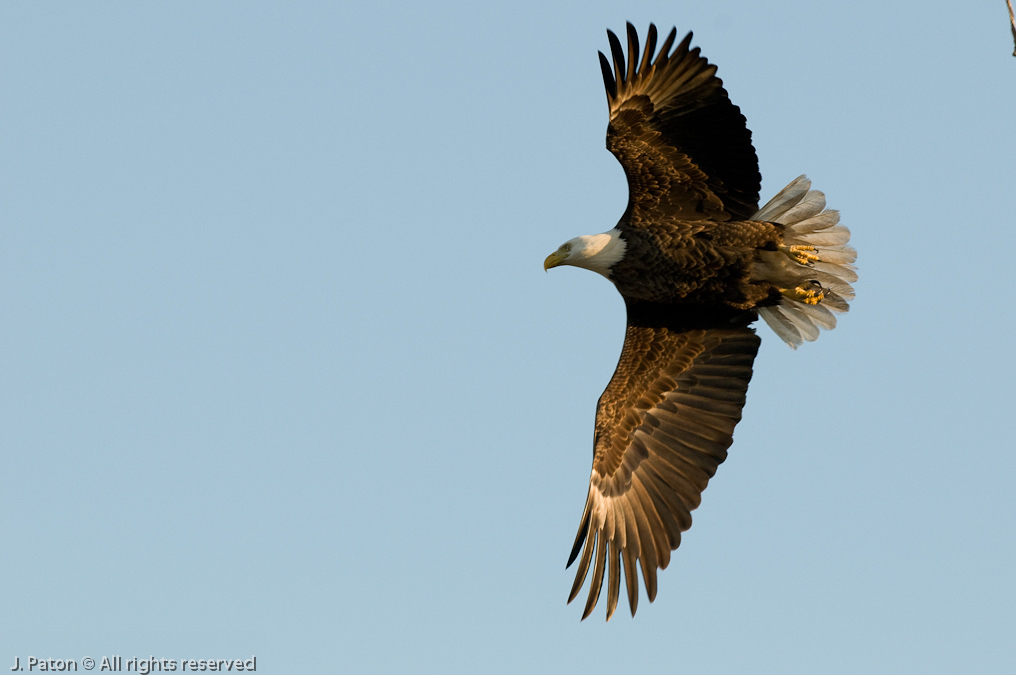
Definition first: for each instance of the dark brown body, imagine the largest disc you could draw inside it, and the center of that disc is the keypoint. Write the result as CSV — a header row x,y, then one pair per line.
x,y
711,266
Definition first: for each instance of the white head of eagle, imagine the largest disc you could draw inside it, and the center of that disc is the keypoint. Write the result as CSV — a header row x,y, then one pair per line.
x,y
596,252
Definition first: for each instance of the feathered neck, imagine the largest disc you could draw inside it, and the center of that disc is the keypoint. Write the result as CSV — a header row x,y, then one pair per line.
x,y
598,252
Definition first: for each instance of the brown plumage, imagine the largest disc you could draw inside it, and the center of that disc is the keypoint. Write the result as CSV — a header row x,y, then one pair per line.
x,y
696,263
663,425
693,179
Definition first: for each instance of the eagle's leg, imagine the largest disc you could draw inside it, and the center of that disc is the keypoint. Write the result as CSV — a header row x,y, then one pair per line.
x,y
802,255
810,293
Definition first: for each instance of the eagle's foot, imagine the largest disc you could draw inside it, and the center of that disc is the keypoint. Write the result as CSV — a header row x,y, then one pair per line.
x,y
802,255
810,293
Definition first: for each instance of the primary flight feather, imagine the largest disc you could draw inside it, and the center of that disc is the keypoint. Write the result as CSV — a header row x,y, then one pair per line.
x,y
696,262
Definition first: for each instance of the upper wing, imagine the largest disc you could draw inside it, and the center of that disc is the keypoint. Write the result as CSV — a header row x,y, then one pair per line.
x,y
663,425
684,146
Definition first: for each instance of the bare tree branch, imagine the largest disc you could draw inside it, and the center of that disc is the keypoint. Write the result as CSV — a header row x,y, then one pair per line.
x,y
1012,22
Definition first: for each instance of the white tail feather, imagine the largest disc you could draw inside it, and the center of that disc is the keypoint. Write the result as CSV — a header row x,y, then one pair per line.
x,y
801,211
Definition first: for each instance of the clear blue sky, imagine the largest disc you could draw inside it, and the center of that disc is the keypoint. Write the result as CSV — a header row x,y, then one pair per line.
x,y
281,373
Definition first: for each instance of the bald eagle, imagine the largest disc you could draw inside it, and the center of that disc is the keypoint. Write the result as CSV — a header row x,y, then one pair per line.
x,y
696,262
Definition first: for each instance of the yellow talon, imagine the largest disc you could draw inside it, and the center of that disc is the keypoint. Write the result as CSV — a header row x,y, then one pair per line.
x,y
811,295
802,255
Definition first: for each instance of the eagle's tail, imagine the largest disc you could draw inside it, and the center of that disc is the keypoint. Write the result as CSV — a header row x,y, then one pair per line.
x,y
813,265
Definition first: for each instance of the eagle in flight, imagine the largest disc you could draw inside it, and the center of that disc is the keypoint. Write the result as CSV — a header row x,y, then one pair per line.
x,y
696,262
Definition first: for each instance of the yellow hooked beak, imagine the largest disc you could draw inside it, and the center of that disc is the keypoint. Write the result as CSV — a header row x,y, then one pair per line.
x,y
554,259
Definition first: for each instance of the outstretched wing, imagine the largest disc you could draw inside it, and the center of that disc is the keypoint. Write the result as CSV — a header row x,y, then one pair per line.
x,y
663,425
684,146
